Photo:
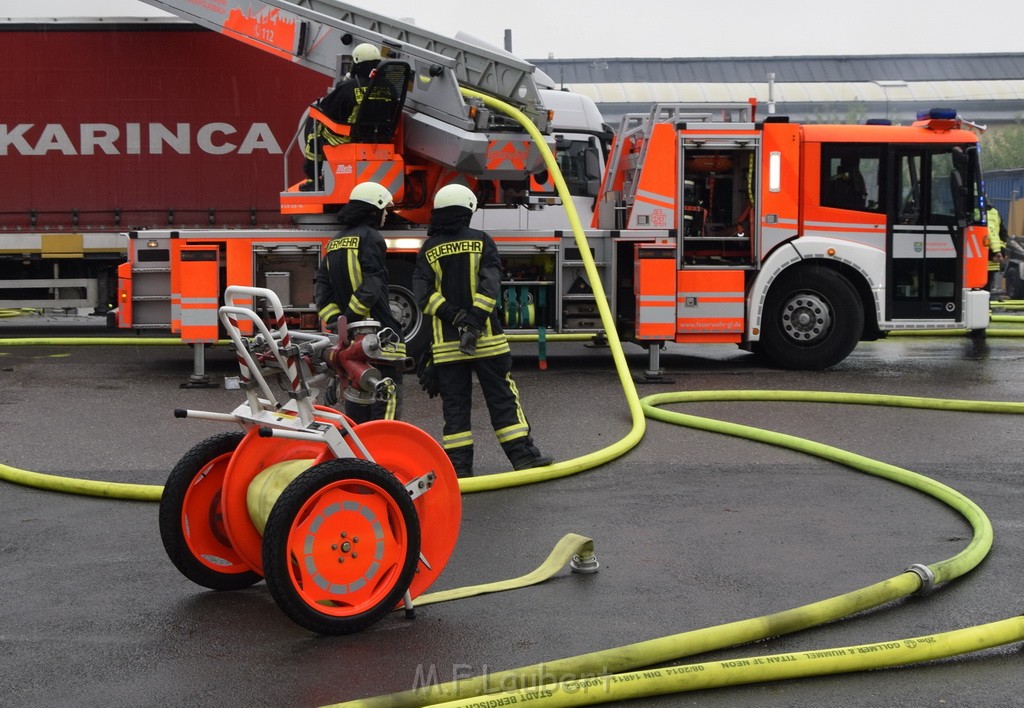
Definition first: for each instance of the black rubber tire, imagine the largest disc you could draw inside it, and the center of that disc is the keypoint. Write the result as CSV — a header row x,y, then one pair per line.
x,y
405,309
1014,283
190,467
278,561
813,319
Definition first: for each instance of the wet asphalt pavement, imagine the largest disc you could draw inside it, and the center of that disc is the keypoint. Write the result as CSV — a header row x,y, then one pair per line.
x,y
692,529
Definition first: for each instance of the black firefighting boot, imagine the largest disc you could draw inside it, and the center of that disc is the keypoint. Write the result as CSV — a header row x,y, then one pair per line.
x,y
524,455
462,461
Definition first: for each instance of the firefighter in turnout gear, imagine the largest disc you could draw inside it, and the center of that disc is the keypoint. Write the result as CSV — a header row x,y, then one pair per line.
x,y
353,281
341,105
457,281
996,241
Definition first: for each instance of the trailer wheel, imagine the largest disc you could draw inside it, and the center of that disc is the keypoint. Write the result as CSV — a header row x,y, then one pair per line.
x,y
813,319
1014,284
192,521
340,546
404,307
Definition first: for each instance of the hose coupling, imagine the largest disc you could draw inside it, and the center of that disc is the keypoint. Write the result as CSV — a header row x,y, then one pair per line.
x,y
927,578
584,564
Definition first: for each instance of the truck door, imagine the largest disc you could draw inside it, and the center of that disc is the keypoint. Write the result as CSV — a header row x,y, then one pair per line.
x,y
200,293
925,245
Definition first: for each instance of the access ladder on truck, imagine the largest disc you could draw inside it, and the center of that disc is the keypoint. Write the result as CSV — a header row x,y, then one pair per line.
x,y
632,140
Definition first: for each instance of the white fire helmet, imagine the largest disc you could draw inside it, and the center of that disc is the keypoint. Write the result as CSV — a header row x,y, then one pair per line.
x,y
455,195
372,193
365,52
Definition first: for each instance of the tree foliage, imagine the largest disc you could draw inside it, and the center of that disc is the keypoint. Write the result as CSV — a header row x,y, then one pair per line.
x,y
1003,148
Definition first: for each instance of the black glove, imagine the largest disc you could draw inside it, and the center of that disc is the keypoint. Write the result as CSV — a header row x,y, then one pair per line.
x,y
475,320
451,314
467,344
426,372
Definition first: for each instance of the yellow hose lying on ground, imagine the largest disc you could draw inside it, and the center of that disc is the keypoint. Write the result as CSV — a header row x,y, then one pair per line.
x,y
757,669
672,648
84,487
551,676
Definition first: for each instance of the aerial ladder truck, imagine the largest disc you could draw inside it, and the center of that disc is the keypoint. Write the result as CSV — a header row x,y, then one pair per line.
x,y
423,134
709,223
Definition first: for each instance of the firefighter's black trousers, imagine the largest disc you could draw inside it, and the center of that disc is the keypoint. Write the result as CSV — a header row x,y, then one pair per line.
x,y
455,381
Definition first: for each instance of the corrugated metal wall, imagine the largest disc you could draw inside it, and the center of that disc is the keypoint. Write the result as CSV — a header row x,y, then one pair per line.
x,y
1004,187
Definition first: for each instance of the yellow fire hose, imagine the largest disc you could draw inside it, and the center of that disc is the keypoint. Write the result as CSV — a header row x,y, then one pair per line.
x,y
560,682
757,669
545,682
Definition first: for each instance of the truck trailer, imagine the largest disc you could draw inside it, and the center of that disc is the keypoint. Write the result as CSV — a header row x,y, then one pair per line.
x,y
114,126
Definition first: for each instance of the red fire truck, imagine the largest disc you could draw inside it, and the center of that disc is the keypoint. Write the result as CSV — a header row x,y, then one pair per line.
x,y
708,224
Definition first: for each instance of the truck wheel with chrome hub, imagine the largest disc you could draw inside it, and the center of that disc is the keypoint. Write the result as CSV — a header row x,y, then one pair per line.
x,y
813,319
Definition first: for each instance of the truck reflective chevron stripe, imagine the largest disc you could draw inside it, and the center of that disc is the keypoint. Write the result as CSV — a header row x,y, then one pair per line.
x,y
508,155
661,200
976,270
389,174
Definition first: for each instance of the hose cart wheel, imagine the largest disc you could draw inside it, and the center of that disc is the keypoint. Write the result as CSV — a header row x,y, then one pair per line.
x,y
340,546
192,517
408,452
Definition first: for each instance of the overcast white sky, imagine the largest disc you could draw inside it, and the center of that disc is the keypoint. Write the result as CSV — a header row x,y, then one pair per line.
x,y
675,28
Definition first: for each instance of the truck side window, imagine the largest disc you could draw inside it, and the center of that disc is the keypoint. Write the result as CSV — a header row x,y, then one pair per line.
x,y
850,177
943,198
580,164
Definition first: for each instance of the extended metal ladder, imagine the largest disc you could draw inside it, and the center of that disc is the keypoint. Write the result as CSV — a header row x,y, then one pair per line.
x,y
319,33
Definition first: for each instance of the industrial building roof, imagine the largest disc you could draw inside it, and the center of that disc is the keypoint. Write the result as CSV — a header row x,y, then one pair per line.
x,y
790,69
987,88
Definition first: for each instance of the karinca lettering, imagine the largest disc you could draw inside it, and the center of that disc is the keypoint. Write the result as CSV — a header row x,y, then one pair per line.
x,y
453,248
134,139
343,242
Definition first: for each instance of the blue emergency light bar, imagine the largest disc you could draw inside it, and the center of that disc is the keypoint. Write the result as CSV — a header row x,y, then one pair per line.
x,y
937,114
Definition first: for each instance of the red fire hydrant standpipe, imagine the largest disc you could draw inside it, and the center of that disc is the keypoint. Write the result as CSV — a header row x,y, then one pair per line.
x,y
345,522
361,345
